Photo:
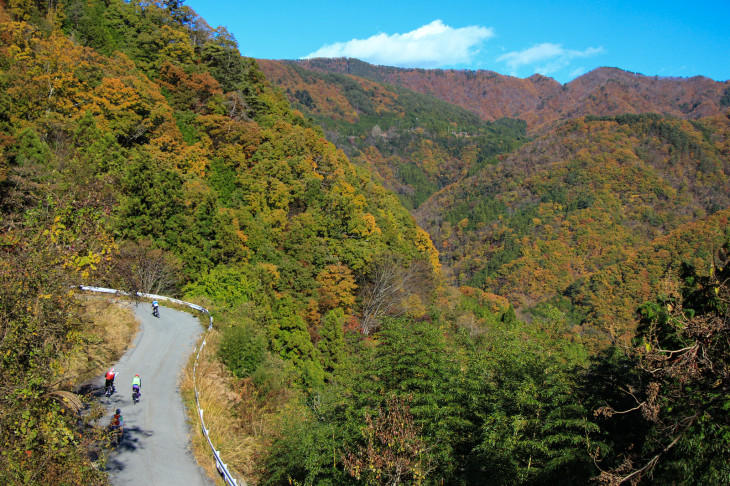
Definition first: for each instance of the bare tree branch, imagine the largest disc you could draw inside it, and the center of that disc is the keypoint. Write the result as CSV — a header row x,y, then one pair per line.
x,y
389,286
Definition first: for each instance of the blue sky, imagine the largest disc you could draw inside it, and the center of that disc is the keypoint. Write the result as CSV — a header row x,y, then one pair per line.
x,y
561,39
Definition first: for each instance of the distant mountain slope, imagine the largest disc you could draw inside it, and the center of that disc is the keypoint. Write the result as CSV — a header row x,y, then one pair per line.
x,y
580,199
416,143
544,222
542,101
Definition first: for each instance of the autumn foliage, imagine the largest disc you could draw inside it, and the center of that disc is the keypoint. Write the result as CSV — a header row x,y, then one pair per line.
x,y
469,341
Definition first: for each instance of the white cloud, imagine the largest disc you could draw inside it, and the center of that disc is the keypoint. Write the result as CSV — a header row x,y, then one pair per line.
x,y
577,72
433,45
546,58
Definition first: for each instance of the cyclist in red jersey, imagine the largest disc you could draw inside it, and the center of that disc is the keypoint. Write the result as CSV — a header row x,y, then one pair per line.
x,y
110,379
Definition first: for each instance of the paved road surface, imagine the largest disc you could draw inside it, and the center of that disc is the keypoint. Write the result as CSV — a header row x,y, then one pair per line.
x,y
155,449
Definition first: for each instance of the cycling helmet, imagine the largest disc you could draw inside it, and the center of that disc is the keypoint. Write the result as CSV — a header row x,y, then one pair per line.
x,y
119,412
136,375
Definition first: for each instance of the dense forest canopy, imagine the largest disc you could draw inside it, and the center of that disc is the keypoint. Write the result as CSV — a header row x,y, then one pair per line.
x,y
416,144
557,220
562,316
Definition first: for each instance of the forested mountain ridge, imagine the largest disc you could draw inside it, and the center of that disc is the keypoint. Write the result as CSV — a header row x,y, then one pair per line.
x,y
585,194
139,150
416,144
541,101
552,217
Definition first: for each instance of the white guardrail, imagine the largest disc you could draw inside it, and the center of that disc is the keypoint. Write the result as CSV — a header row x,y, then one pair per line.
x,y
219,464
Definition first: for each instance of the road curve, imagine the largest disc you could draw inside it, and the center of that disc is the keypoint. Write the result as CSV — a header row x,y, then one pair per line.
x,y
155,448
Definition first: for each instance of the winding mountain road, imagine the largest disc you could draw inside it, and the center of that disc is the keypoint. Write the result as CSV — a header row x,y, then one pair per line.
x,y
155,448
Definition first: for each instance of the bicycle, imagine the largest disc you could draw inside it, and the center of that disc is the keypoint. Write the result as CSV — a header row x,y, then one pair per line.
x,y
117,432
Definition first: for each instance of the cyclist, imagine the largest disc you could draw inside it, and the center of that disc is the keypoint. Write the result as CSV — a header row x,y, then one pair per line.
x,y
137,385
155,308
109,384
117,425
117,420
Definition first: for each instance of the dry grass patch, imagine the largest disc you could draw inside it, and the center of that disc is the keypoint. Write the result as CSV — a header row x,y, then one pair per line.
x,y
109,328
219,402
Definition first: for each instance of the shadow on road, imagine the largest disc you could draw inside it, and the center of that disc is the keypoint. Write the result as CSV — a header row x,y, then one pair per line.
x,y
91,387
131,442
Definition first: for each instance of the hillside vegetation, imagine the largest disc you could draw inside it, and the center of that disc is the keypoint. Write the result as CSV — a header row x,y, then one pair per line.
x,y
540,225
139,150
416,144
541,101
569,209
